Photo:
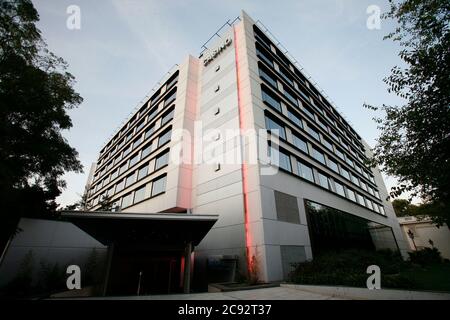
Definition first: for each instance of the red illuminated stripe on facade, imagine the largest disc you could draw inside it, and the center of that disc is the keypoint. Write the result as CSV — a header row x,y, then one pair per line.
x,y
244,166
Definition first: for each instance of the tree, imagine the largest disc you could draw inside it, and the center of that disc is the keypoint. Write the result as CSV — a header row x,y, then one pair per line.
x,y
403,208
414,144
35,93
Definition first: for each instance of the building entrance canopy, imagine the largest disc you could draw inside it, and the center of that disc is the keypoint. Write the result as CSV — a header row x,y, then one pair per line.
x,y
151,228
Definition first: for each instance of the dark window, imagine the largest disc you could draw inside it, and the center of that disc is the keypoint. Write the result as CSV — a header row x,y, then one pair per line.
x,y
286,207
266,76
333,165
165,137
162,160
146,151
295,118
314,133
134,160
149,132
305,171
300,143
130,180
167,117
275,127
139,194
127,200
159,186
288,94
323,181
270,100
143,171
339,189
318,155
264,57
308,112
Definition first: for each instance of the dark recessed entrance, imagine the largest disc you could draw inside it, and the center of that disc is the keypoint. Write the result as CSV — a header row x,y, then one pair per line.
x,y
147,253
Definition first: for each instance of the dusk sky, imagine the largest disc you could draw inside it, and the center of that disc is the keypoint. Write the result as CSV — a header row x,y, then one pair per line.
x,y
124,47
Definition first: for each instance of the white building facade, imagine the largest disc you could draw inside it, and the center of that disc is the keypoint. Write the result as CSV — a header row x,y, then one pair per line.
x,y
178,154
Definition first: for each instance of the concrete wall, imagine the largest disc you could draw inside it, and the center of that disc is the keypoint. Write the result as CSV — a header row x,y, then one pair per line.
x,y
49,242
424,231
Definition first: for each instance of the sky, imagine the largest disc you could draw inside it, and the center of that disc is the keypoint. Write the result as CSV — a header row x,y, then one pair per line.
x,y
124,47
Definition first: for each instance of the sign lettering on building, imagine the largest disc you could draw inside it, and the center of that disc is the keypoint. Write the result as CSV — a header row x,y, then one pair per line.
x,y
210,55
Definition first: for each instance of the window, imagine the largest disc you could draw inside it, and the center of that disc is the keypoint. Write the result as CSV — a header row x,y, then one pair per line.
x,y
167,117
162,160
318,155
377,194
371,179
130,180
165,137
270,100
146,151
285,161
360,199
139,194
130,135
333,165
340,154
364,186
314,133
170,98
327,144
114,174
126,151
110,192
300,143
375,207
140,125
143,171
268,78
134,160
324,126
334,135
137,142
382,210
349,162
308,112
305,171
118,158
120,185
123,168
345,173
369,204
127,200
295,118
159,186
263,57
288,94
351,195
275,128
152,113
323,181
355,179
339,189
285,76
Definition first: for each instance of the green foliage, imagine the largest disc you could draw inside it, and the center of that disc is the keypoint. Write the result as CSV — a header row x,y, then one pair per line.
x,y
35,93
21,285
425,256
414,145
348,268
404,208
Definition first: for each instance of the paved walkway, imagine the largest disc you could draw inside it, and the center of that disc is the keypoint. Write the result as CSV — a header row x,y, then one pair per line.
x,y
275,293
295,292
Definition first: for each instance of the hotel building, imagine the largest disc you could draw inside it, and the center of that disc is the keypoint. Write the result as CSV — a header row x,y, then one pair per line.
x,y
320,196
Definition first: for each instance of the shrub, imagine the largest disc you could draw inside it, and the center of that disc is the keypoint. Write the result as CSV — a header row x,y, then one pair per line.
x,y
348,268
426,256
